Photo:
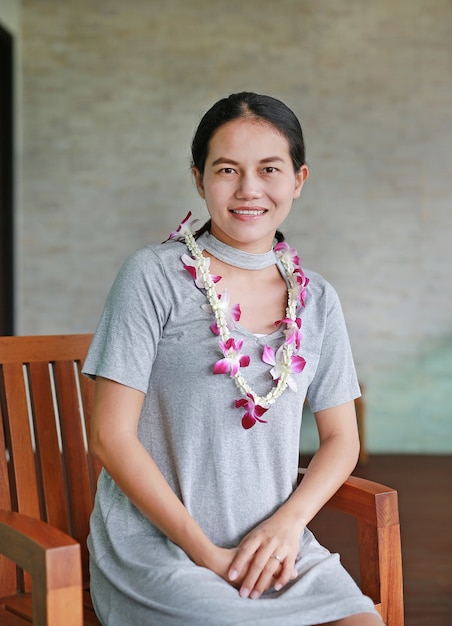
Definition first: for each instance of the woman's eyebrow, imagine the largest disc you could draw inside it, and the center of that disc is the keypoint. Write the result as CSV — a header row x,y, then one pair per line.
x,y
271,159
224,160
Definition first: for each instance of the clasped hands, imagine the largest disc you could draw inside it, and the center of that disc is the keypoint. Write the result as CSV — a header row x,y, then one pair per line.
x,y
265,558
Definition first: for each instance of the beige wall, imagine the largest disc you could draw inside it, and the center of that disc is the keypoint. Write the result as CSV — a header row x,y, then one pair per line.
x,y
10,15
111,94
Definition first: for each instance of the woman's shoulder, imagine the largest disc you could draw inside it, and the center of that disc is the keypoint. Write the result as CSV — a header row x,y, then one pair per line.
x,y
321,295
162,255
317,282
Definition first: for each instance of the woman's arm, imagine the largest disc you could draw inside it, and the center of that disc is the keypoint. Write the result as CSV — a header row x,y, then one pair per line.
x,y
280,534
114,441
333,462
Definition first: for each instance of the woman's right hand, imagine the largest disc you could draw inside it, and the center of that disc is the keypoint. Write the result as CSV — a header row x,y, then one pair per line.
x,y
220,560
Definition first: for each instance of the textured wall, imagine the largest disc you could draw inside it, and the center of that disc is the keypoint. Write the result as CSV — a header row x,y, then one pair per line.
x,y
111,94
10,15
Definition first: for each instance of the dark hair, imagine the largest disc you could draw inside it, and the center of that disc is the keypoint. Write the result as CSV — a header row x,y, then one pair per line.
x,y
248,105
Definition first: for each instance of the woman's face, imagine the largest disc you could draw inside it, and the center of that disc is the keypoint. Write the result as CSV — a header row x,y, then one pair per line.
x,y
249,183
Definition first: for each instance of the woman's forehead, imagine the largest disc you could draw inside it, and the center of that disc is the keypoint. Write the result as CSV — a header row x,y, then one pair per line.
x,y
242,135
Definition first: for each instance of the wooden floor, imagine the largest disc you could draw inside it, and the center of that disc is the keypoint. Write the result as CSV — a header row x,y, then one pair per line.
x,y
424,485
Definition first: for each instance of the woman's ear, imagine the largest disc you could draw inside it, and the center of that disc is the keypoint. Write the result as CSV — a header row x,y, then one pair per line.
x,y
198,180
300,179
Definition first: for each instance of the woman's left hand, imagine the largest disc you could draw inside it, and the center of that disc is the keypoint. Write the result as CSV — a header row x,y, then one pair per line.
x,y
266,556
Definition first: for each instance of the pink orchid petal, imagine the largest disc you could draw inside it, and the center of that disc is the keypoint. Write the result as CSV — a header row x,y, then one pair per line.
x,y
248,421
234,368
268,355
214,328
297,364
244,360
226,345
191,270
222,367
259,411
236,312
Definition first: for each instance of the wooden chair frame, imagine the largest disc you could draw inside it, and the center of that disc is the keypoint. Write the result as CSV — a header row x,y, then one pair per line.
x,y
47,486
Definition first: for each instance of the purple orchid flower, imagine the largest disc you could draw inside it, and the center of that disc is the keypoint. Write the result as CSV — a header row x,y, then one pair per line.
x,y
293,333
191,265
233,360
302,282
290,253
279,368
231,313
253,411
185,227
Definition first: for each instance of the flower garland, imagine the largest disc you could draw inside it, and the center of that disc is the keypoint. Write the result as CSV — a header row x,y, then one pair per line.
x,y
285,361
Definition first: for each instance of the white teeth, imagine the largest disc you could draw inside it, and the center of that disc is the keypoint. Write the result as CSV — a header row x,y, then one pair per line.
x,y
248,212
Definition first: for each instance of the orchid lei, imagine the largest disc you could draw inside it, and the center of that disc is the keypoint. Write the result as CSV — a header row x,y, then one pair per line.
x,y
285,361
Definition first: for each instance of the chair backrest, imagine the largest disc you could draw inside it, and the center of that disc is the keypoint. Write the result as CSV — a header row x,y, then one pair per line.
x,y
45,468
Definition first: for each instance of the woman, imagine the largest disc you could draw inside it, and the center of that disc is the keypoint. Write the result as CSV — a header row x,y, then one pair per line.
x,y
205,352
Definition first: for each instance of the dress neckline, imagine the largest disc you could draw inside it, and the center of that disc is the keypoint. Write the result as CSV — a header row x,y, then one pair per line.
x,y
234,256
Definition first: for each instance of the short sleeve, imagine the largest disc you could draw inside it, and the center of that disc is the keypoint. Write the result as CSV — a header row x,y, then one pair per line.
x,y
132,322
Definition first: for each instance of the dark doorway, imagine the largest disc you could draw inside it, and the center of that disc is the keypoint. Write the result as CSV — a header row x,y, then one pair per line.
x,y
6,184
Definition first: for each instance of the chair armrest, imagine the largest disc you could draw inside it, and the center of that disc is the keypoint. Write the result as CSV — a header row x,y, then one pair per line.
x,y
52,558
366,500
375,508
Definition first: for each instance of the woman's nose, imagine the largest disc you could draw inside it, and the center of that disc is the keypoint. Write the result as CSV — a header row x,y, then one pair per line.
x,y
248,187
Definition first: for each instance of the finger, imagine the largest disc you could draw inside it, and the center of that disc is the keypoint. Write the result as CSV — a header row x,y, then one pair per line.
x,y
285,575
241,562
260,576
267,579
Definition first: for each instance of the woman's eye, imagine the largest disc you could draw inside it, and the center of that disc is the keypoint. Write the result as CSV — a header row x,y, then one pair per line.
x,y
227,170
270,169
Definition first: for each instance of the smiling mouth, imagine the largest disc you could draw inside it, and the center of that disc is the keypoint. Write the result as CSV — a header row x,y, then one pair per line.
x,y
248,211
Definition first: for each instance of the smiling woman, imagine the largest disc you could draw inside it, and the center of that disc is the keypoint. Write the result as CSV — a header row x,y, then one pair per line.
x,y
249,183
206,350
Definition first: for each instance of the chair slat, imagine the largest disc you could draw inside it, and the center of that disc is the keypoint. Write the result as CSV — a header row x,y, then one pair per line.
x,y
7,568
74,451
19,441
47,446
87,393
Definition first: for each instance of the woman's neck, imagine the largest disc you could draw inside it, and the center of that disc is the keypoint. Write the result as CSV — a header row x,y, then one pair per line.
x,y
234,256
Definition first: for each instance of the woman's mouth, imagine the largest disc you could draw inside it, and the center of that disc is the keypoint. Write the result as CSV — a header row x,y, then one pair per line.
x,y
251,212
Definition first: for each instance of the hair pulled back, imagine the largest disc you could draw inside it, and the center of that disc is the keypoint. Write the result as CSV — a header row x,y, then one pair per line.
x,y
253,106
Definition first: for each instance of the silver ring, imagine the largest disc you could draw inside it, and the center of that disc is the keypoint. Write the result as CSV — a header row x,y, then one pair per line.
x,y
277,557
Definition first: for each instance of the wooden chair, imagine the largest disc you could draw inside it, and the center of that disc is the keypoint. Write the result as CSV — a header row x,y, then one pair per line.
x,y
47,485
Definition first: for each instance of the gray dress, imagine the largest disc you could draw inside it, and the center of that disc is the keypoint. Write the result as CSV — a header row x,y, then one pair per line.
x,y
155,336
